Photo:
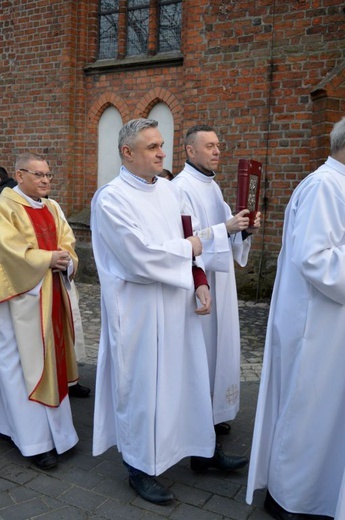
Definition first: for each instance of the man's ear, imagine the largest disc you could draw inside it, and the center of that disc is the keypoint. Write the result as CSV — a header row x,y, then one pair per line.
x,y
190,150
19,176
127,152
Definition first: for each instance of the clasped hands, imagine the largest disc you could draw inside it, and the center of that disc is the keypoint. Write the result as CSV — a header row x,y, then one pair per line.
x,y
240,222
60,260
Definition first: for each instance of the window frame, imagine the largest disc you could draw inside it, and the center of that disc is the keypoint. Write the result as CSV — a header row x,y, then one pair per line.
x,y
154,19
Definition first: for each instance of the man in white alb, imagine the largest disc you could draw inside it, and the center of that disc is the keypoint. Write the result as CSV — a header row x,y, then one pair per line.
x,y
298,450
152,392
229,240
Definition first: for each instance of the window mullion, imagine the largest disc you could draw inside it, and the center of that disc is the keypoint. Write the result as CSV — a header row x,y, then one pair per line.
x,y
122,31
153,29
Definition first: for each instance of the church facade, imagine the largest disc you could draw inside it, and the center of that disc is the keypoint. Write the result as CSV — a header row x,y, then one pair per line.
x,y
267,75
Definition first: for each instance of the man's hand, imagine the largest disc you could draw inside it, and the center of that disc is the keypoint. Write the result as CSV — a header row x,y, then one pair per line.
x,y
196,245
257,224
239,222
204,296
60,260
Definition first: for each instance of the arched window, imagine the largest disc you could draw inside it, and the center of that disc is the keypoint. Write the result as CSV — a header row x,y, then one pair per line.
x,y
138,27
163,115
109,161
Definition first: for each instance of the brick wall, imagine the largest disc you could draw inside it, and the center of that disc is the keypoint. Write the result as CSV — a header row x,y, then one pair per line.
x,y
268,75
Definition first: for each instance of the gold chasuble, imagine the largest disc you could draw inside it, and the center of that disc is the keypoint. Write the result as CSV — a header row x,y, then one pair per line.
x,y
39,303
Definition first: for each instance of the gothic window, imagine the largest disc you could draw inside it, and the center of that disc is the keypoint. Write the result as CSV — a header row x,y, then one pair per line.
x,y
138,27
162,113
109,161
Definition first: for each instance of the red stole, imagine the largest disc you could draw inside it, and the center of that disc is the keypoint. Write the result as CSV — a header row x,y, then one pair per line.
x,y
45,230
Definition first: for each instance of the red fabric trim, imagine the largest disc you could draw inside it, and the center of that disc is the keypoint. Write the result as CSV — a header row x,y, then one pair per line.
x,y
45,230
199,275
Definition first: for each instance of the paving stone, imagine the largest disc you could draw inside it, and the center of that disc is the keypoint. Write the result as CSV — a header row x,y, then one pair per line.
x,y
185,511
162,511
114,509
83,499
24,511
5,500
84,479
229,508
23,494
17,473
48,485
190,495
217,484
65,513
116,489
5,485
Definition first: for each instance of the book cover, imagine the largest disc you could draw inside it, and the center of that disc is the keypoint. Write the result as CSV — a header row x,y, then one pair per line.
x,y
199,275
187,225
248,187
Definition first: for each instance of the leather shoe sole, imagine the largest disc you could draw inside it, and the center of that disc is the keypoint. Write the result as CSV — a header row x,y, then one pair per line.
x,y
149,489
46,460
274,509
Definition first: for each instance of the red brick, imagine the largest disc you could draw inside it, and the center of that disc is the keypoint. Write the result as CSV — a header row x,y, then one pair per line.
x,y
266,74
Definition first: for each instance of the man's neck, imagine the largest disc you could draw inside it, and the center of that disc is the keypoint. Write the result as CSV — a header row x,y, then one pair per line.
x,y
208,173
27,197
339,156
148,180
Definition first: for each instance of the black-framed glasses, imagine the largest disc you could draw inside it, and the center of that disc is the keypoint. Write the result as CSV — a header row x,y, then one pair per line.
x,y
38,175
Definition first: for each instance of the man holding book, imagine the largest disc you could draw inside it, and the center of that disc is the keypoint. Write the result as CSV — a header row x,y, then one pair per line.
x,y
229,241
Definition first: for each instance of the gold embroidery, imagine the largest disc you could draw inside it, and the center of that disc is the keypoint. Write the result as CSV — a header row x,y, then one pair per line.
x,y
232,394
206,234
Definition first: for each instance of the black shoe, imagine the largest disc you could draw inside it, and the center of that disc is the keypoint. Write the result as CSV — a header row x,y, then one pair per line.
x,y
218,461
222,428
275,510
78,391
149,489
46,460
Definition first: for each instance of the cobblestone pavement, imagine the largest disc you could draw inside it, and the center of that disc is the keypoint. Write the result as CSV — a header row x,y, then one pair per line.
x,y
84,487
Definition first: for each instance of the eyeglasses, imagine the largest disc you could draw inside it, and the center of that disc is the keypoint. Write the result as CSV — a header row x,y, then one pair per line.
x,y
38,175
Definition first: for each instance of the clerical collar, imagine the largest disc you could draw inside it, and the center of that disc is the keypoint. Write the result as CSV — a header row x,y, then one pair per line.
x,y
210,174
33,203
144,181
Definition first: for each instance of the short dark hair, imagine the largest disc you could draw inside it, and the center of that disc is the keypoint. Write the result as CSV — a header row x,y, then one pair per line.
x,y
166,174
3,173
194,130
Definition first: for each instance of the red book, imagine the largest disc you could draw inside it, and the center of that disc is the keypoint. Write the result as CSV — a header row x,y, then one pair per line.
x,y
248,186
187,225
199,275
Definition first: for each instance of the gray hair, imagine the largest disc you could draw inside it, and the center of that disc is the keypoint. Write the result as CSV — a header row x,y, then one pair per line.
x,y
23,159
129,132
337,137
